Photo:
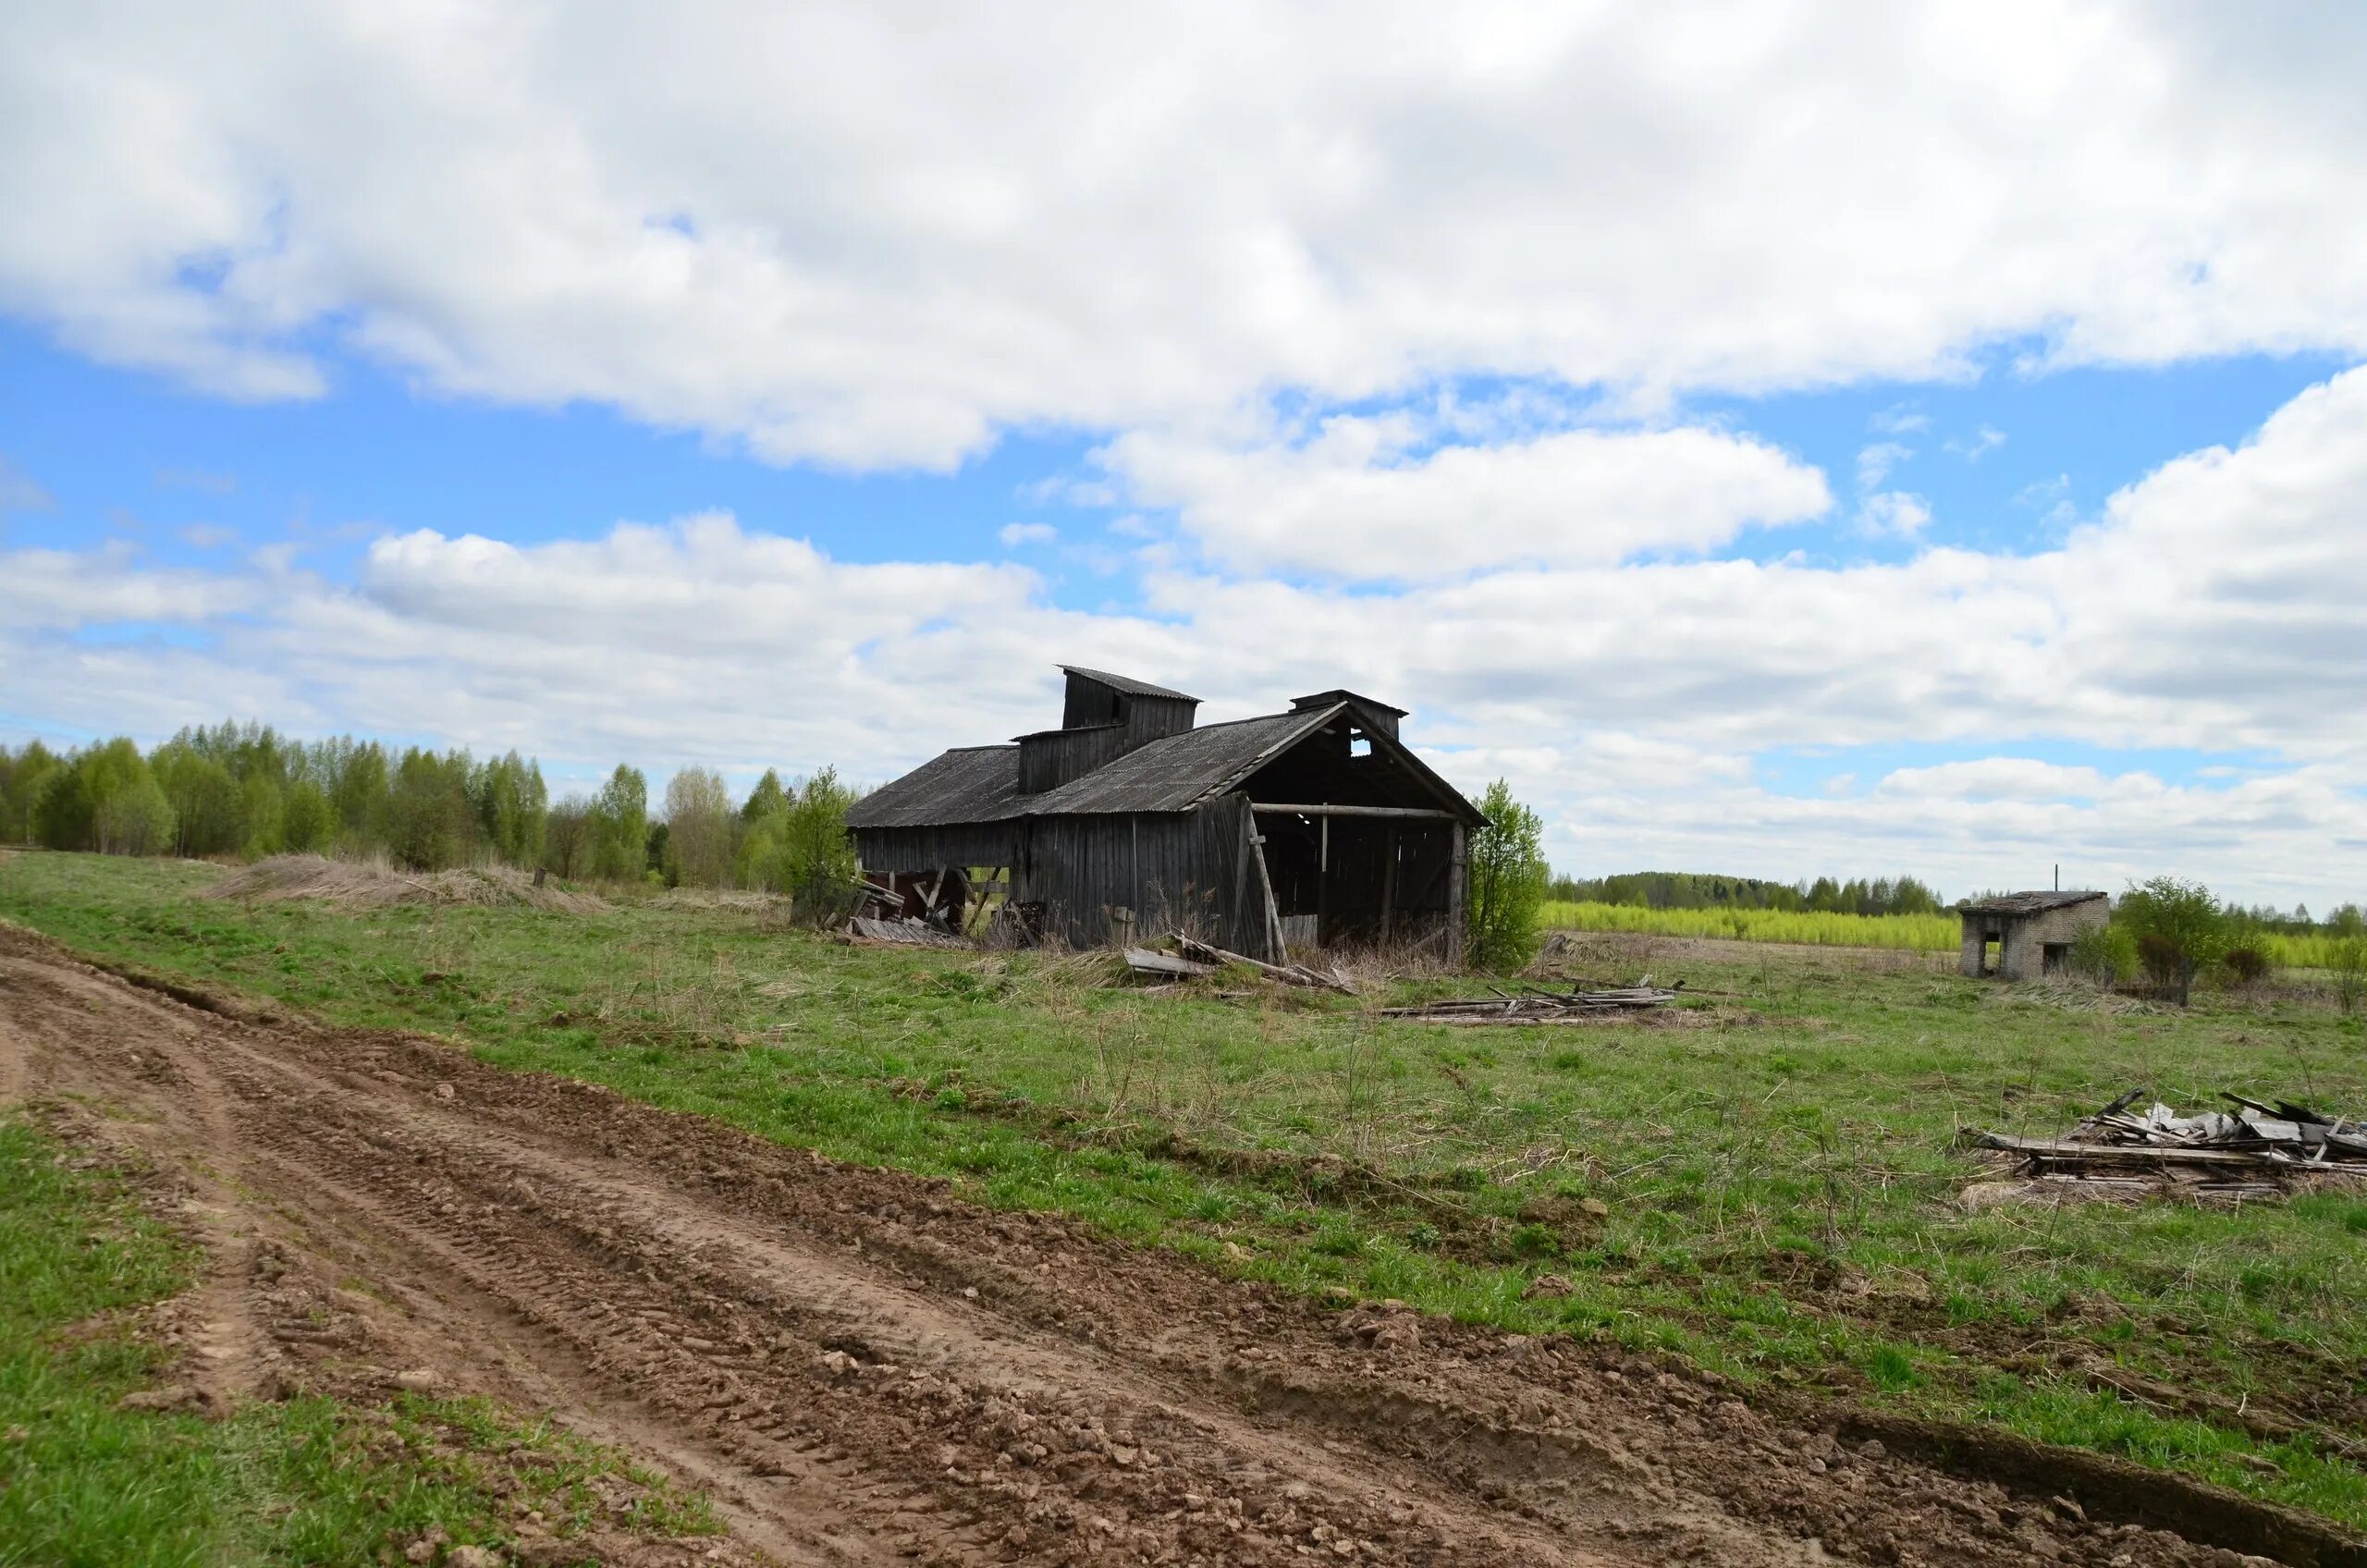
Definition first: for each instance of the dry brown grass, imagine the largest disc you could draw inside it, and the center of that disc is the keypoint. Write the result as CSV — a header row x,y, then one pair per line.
x,y
367,884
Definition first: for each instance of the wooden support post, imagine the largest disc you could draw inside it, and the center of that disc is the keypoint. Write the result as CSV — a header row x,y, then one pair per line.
x,y
1458,894
1323,885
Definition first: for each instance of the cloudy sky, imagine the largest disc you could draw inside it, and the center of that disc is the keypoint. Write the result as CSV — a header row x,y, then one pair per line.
x,y
1780,439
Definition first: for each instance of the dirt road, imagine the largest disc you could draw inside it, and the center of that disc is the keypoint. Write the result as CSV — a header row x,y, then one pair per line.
x,y
865,1370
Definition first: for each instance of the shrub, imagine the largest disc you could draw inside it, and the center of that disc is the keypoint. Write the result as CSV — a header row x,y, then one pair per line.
x,y
802,847
2106,955
2246,965
2163,960
2349,962
2180,929
1508,881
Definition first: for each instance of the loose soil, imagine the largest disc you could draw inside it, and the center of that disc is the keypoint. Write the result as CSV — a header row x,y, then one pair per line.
x,y
862,1369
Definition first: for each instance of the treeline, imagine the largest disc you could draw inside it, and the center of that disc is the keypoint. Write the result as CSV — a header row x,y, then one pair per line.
x,y
1684,890
243,790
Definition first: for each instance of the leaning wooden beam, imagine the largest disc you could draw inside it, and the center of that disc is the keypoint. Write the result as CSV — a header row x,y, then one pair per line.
x,y
1289,975
1146,961
1424,813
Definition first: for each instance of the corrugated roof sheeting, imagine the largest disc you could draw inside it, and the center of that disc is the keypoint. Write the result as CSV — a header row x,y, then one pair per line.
x,y
967,784
1179,771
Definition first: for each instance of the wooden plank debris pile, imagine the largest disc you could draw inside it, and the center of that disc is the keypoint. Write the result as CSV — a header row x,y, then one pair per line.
x,y
903,933
2259,1149
1194,959
1531,1005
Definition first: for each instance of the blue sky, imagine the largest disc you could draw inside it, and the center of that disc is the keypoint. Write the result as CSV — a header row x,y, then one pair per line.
x,y
1726,452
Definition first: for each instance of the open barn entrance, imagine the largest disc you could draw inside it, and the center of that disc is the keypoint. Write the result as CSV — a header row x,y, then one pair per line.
x,y
1347,880
1360,848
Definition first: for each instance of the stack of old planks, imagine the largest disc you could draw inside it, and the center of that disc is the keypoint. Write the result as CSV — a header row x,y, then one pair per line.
x,y
1531,1005
903,933
2259,1149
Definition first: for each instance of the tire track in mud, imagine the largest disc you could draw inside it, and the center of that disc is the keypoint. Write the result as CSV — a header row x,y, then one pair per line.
x,y
864,1369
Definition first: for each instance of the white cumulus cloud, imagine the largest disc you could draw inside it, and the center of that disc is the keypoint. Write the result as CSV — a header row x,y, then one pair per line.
x,y
877,234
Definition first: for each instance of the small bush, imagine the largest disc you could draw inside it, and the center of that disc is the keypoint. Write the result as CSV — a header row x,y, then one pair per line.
x,y
2347,958
2163,960
2106,955
2246,965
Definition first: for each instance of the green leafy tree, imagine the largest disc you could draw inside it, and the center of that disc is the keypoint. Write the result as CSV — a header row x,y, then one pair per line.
x,y
306,822
208,808
2180,929
359,783
700,828
620,826
429,824
803,849
567,837
262,809
1508,879
23,777
766,799
512,807
106,798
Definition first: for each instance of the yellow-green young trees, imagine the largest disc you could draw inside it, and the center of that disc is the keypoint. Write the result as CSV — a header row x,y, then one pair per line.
x,y
23,776
104,798
428,823
766,799
700,825
1508,880
620,826
355,776
306,822
802,849
512,806
209,815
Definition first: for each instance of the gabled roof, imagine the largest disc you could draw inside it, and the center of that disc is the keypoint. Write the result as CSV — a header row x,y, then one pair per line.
x,y
1341,694
1180,771
967,784
2026,904
1128,684
1175,773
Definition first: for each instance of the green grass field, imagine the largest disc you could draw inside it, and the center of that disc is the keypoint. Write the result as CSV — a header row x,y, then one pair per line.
x,y
1763,1181
307,1480
1919,933
1913,933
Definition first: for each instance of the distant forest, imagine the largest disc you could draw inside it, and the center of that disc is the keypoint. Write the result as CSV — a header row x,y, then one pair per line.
x,y
1687,890
244,790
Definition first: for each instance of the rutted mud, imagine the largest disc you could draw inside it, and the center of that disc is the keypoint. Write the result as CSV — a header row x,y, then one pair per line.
x,y
862,1369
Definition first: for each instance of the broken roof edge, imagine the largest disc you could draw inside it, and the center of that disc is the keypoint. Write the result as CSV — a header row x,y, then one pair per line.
x,y
1456,799
2035,902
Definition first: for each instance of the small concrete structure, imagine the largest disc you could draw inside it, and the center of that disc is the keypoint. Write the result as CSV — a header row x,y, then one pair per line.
x,y
2034,932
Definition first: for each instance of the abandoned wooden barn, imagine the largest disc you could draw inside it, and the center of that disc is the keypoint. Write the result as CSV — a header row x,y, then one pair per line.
x,y
1316,826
